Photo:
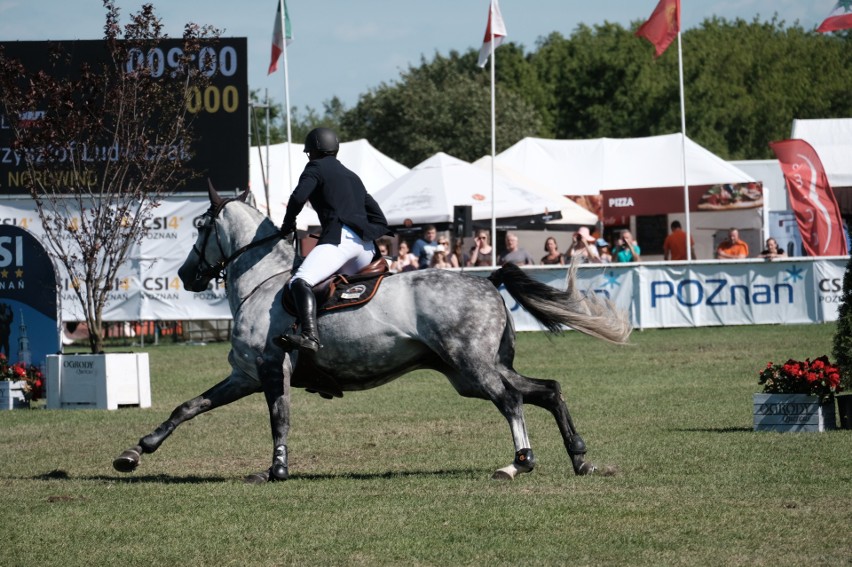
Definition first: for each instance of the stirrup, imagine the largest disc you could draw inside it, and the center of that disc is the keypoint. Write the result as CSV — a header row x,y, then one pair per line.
x,y
301,342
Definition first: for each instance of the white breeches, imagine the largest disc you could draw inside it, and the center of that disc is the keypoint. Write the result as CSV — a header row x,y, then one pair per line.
x,y
325,260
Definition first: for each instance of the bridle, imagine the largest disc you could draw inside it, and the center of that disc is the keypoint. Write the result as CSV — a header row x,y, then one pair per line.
x,y
218,269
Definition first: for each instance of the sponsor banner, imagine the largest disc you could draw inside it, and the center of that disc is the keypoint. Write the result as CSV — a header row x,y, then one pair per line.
x,y
660,295
611,281
667,200
811,198
29,318
725,294
523,320
147,287
162,296
829,289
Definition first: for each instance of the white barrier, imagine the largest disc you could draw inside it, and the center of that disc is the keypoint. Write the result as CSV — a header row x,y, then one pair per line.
x,y
705,293
657,294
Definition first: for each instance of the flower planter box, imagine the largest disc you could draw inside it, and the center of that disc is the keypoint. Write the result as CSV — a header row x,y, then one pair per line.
x,y
98,381
792,412
12,395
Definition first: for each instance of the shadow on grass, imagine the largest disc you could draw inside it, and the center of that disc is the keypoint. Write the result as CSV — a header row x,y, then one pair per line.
x,y
714,429
60,474
447,473
193,479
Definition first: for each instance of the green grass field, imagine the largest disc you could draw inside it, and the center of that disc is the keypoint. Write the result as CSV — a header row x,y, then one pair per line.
x,y
400,475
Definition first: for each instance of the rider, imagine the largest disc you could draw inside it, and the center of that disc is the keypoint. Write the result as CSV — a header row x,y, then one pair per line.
x,y
351,220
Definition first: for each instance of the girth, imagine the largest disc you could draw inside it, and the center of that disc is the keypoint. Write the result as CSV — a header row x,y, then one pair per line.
x,y
339,290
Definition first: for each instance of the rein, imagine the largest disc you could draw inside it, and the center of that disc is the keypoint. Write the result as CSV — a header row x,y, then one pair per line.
x,y
218,270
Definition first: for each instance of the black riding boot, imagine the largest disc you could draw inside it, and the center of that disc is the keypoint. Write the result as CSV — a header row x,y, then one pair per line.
x,y
306,305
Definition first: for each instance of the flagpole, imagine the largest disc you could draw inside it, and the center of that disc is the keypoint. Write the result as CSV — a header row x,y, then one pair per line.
x,y
683,142
283,10
493,140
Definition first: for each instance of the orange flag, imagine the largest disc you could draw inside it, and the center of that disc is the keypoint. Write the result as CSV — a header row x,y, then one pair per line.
x,y
663,25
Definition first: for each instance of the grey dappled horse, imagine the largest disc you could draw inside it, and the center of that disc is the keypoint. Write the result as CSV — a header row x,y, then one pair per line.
x,y
453,323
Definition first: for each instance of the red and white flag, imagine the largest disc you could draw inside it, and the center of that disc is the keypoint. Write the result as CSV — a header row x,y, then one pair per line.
x,y
278,36
812,199
495,24
663,25
840,18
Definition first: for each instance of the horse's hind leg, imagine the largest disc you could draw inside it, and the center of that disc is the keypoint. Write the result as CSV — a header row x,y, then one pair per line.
x,y
229,390
490,386
547,394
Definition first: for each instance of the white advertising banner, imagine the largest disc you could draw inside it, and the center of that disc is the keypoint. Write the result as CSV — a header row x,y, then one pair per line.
x,y
730,293
147,286
828,283
796,290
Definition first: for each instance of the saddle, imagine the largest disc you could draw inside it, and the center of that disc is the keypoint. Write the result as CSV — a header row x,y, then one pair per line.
x,y
336,292
341,291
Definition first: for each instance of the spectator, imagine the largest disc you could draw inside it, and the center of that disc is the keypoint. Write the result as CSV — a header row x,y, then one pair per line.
x,y
553,256
583,248
513,254
772,250
603,251
439,260
457,257
732,248
674,247
383,246
426,246
627,250
480,252
405,260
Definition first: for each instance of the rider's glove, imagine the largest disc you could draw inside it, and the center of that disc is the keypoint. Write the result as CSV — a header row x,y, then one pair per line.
x,y
288,231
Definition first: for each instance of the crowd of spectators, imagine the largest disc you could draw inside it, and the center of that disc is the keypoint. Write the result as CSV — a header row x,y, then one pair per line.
x,y
433,251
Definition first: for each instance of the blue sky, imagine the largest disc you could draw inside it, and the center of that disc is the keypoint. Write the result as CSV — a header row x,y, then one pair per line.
x,y
344,47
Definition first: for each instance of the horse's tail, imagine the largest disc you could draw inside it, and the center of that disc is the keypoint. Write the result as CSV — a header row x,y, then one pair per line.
x,y
589,314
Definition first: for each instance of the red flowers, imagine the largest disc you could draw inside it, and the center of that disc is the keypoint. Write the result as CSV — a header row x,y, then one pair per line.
x,y
815,378
31,375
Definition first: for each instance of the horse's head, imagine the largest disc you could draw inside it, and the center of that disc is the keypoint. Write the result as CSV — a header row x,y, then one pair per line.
x,y
211,250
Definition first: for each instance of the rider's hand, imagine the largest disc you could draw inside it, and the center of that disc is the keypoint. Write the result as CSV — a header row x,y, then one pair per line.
x,y
288,231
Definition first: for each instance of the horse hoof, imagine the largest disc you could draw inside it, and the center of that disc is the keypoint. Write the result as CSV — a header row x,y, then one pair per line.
x,y
279,472
127,461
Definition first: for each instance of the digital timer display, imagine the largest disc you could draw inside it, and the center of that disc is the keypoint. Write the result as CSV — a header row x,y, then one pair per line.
x,y
219,150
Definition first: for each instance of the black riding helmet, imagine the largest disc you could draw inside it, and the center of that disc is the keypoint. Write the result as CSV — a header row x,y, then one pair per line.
x,y
322,140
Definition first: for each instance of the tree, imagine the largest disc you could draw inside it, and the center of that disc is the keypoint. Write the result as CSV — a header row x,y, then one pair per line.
x,y
842,348
102,148
439,106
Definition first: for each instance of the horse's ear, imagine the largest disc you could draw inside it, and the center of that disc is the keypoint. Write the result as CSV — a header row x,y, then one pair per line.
x,y
215,199
243,196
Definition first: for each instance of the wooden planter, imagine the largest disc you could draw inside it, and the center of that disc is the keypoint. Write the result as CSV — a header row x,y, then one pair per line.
x,y
12,395
792,412
98,381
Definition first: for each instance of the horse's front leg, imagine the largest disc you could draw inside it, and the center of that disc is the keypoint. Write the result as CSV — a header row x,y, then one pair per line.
x,y
275,379
228,390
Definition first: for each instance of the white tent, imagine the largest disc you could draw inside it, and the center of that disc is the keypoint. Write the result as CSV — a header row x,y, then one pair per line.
x,y
587,167
832,140
572,213
430,191
373,167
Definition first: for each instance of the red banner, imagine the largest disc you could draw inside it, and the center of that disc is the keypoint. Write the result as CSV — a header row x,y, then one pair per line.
x,y
812,199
